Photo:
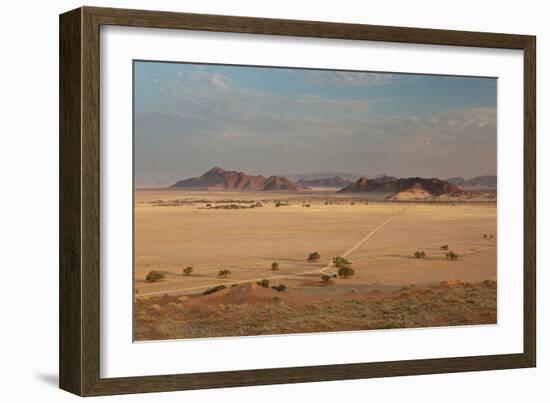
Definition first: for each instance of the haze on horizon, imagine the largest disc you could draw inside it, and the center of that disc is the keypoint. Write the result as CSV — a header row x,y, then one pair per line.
x,y
189,118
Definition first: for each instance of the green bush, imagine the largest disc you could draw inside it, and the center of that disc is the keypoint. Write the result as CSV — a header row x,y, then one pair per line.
x,y
325,277
419,254
188,270
346,271
224,272
280,287
264,283
214,289
313,257
339,261
444,247
451,255
274,266
154,276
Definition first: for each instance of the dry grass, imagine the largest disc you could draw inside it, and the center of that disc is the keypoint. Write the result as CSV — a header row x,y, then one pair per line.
x,y
272,312
181,232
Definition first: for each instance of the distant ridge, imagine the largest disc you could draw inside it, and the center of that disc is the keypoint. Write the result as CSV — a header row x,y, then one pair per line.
x,y
323,175
484,181
332,182
404,188
219,178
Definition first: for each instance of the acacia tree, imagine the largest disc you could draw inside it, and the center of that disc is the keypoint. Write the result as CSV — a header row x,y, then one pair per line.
x,y
451,255
314,257
224,272
264,283
154,276
339,261
346,271
188,270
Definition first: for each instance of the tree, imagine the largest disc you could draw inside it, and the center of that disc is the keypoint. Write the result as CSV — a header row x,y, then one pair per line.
x,y
188,270
339,261
224,272
274,266
419,254
264,283
313,257
451,255
346,271
154,276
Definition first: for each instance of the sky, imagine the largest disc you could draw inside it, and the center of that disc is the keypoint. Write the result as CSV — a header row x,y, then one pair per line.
x,y
189,118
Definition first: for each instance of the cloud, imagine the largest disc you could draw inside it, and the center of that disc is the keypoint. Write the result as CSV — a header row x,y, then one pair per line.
x,y
201,79
205,116
348,78
458,141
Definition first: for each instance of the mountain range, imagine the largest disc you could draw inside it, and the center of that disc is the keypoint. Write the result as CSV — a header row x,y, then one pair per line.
x,y
414,188
485,181
331,182
403,188
322,175
219,178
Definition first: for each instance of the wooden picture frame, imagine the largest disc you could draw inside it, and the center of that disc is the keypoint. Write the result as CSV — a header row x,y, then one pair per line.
x,y
79,282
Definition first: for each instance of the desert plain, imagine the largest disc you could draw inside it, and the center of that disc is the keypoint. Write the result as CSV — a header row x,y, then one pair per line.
x,y
246,232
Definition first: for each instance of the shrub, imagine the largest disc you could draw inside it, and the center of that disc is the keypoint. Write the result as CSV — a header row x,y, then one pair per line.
x,y
485,236
188,270
419,254
325,277
280,287
264,283
451,255
214,289
346,271
274,266
339,261
224,272
314,257
154,276
444,247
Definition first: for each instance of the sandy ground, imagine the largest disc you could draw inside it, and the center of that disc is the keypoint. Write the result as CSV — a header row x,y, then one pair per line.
x,y
211,231
182,232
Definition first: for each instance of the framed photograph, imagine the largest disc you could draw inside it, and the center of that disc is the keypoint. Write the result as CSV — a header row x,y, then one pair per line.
x,y
249,201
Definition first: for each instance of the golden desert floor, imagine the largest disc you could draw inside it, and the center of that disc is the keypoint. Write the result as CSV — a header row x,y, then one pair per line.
x,y
215,230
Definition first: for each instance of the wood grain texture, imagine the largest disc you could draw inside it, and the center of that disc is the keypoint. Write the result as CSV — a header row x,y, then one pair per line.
x,y
80,200
70,274
530,202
